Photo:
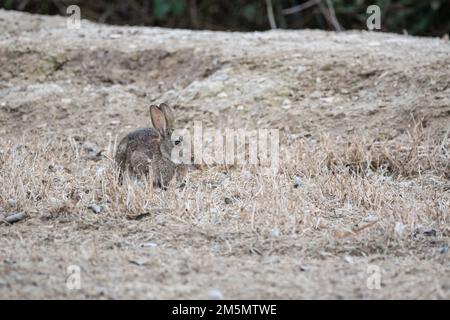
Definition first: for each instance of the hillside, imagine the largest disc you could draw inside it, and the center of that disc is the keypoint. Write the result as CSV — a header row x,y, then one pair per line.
x,y
365,118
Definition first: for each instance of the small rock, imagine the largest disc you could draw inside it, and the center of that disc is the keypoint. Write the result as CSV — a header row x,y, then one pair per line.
x,y
287,104
99,170
12,203
78,138
315,95
90,147
139,261
399,228
55,168
328,100
220,77
15,217
227,200
215,294
430,233
291,138
305,268
348,259
443,249
300,70
122,244
297,182
275,233
148,245
95,208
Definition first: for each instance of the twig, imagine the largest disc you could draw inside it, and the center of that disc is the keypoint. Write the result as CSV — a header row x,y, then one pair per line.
x,y
194,14
333,17
22,5
279,17
270,14
300,7
328,16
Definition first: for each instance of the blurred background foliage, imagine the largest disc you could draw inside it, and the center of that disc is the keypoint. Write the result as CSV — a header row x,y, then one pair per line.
x,y
426,17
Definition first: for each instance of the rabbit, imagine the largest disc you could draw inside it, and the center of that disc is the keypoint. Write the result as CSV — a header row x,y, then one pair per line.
x,y
147,151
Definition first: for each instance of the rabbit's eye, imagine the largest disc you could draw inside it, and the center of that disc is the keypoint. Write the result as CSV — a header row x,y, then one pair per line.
x,y
177,142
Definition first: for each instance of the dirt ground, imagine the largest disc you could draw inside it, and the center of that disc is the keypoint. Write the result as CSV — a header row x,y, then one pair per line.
x,y
362,199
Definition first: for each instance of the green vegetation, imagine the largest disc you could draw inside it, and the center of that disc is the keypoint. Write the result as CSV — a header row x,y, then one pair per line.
x,y
427,17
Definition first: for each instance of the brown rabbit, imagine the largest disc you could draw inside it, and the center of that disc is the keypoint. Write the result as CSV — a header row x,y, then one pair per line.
x,y
149,150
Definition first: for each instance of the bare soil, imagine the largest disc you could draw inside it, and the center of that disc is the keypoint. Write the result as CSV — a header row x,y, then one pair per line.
x,y
365,118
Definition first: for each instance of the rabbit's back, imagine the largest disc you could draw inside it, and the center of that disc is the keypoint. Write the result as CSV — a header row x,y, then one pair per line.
x,y
141,143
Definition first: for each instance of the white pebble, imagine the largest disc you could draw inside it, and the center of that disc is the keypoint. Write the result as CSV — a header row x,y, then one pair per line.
x,y
215,294
95,208
348,259
399,228
275,233
148,245
297,182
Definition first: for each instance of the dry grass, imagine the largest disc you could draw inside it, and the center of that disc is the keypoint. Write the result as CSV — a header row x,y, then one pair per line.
x,y
359,200
363,180
355,186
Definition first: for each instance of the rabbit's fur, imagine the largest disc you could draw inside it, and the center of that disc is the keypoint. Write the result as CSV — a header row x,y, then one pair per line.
x,y
148,150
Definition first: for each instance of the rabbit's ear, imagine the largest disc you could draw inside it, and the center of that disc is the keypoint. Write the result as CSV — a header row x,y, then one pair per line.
x,y
168,112
158,119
